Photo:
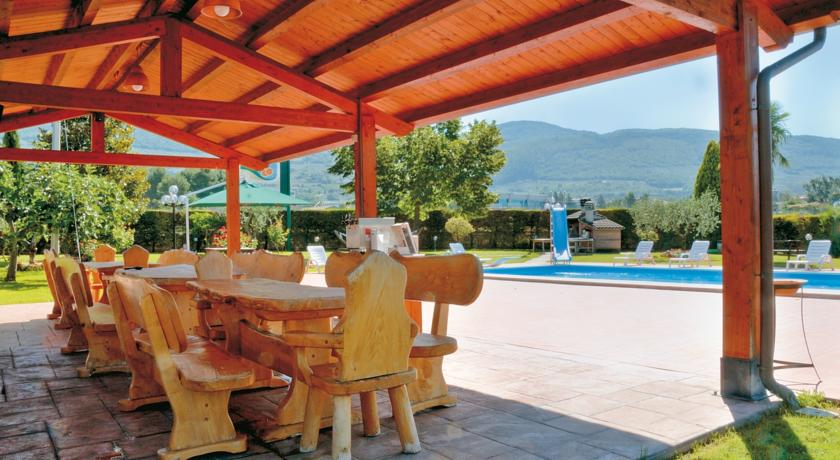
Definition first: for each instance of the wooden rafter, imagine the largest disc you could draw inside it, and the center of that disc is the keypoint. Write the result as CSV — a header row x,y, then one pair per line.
x,y
103,158
83,14
716,16
773,33
281,74
244,138
36,118
5,17
811,14
502,46
60,41
681,49
142,104
191,140
404,23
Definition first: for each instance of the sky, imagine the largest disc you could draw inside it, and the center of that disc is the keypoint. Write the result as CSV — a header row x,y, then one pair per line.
x,y
685,96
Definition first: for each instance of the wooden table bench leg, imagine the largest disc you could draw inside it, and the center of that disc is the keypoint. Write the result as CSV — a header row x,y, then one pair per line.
x,y
429,390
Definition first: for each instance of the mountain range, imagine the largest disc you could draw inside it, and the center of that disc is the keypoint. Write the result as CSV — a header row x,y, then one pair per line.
x,y
543,158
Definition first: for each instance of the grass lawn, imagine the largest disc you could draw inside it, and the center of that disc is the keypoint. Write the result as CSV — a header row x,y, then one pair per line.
x,y
779,435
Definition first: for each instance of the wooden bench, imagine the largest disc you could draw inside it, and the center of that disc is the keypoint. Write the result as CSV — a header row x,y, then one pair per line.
x,y
102,253
49,259
96,321
195,375
263,264
451,279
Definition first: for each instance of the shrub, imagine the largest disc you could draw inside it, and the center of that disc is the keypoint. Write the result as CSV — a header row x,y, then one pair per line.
x,y
459,228
277,236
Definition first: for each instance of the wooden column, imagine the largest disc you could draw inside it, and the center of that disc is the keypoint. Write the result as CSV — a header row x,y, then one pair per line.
x,y
170,60
97,132
232,208
365,164
737,75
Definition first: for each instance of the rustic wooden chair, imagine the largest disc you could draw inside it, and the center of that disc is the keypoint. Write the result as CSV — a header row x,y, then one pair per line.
x,y
263,264
178,256
245,261
136,256
49,259
372,342
196,376
213,266
451,279
76,341
96,322
102,253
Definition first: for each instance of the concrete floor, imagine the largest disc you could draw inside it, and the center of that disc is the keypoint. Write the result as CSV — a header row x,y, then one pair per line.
x,y
543,371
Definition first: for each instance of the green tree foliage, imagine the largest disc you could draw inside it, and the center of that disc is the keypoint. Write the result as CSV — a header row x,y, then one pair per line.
x,y
459,228
439,166
780,133
187,180
13,204
684,220
823,189
708,176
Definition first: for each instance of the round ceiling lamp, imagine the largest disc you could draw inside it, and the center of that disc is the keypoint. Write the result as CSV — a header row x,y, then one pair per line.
x,y
136,80
222,9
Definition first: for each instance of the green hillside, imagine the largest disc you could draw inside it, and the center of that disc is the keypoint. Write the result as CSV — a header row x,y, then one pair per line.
x,y
543,158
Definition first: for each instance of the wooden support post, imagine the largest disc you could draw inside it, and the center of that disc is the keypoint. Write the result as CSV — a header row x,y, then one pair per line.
x,y
170,60
97,132
737,75
365,164
232,209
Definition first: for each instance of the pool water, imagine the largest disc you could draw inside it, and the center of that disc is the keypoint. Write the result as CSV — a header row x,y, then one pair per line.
x,y
816,280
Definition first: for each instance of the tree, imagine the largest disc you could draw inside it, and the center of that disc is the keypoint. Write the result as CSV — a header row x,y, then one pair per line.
x,y
780,133
683,220
433,167
823,189
459,228
13,203
708,176
170,180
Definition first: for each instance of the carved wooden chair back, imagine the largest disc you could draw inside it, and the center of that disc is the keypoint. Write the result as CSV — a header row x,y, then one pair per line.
x,y
378,333
71,273
214,266
49,271
136,256
278,267
339,265
245,261
127,307
178,256
104,253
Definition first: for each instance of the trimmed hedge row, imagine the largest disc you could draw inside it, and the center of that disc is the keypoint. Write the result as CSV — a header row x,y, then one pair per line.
x,y
499,229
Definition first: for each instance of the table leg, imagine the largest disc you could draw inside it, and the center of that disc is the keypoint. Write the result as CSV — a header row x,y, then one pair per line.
x,y
231,317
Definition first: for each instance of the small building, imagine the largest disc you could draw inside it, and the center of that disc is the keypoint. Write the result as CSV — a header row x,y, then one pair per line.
x,y
606,234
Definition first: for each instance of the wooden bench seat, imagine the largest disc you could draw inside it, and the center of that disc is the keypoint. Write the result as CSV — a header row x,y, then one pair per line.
x,y
429,346
206,367
326,377
144,345
102,317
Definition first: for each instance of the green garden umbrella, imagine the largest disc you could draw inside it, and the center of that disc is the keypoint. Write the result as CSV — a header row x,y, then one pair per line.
x,y
249,195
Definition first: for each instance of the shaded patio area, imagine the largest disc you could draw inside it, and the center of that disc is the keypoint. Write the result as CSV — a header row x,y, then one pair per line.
x,y
543,371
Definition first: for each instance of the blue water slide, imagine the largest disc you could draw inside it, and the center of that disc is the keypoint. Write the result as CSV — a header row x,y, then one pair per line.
x,y
560,236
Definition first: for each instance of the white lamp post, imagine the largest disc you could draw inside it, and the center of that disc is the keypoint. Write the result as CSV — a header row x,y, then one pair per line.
x,y
173,199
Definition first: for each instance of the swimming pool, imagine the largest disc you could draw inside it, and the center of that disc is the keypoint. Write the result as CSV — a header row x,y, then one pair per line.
x,y
816,280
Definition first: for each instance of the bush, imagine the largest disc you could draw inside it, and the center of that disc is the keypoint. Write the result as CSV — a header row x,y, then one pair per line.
x,y
459,228
277,236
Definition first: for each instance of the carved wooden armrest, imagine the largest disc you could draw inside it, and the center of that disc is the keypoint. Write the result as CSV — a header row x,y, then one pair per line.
x,y
299,339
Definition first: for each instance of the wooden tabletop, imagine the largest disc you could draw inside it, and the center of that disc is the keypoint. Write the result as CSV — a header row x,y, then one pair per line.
x,y
169,274
270,296
102,265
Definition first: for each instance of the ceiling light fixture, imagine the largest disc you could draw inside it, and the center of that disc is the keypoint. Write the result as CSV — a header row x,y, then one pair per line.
x,y
222,9
136,80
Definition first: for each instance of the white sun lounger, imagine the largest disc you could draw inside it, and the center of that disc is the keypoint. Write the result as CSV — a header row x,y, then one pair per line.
x,y
817,255
317,257
698,253
644,253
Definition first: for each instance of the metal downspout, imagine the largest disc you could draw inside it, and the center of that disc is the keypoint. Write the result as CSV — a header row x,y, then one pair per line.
x,y
765,178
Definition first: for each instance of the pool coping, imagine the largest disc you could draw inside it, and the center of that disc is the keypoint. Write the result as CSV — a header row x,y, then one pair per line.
x,y
711,288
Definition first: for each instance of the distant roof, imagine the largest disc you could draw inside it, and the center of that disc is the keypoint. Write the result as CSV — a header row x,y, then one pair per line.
x,y
601,221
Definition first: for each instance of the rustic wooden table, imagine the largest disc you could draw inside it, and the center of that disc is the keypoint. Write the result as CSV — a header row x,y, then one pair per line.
x,y
102,271
242,304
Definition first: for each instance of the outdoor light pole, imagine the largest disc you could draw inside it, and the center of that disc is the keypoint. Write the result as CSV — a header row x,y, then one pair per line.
x,y
174,200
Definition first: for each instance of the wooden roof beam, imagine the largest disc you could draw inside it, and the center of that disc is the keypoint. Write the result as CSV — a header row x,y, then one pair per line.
x,y
403,23
83,37
5,17
714,16
283,75
141,104
246,98
811,14
249,136
773,33
693,46
191,140
557,27
36,118
113,159
83,14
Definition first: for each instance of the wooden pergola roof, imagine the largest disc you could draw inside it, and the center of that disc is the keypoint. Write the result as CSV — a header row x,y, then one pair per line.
x,y
288,77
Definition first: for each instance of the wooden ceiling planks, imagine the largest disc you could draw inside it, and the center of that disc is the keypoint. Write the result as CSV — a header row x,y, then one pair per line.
x,y
426,60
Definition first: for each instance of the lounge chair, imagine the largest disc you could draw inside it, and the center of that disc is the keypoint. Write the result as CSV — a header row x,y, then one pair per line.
x,y
817,255
317,257
643,254
698,253
458,248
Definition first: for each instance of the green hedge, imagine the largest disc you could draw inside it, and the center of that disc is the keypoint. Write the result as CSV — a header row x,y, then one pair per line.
x,y
499,229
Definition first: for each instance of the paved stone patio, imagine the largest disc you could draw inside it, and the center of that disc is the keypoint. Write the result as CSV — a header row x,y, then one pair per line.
x,y
517,401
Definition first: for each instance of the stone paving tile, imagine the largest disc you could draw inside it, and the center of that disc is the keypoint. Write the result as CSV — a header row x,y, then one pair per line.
x,y
675,429
44,453
88,451
78,431
22,429
73,382
627,444
667,406
454,442
460,411
23,443
25,405
146,446
577,424
586,405
35,359
28,374
532,437
630,417
44,414
25,390
82,405
670,389
144,422
628,396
